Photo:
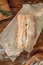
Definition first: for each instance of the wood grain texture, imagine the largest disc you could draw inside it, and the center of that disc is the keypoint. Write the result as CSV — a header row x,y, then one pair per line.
x,y
15,6
36,57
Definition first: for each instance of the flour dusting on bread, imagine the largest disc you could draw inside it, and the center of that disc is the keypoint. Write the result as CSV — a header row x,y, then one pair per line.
x,y
26,30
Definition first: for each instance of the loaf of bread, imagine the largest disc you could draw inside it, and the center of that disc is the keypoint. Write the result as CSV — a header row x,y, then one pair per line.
x,y
23,31
26,31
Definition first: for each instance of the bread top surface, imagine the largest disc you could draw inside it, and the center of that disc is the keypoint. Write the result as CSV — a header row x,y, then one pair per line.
x,y
26,30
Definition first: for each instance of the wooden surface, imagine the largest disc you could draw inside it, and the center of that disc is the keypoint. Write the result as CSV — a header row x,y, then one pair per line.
x,y
15,6
34,58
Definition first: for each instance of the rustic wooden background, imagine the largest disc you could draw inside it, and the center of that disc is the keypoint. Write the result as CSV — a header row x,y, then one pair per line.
x,y
15,6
